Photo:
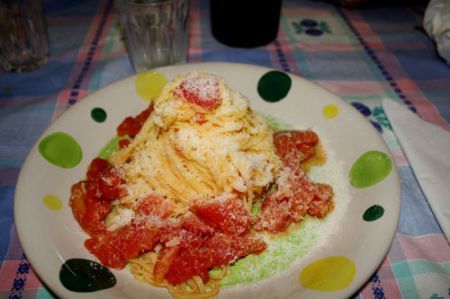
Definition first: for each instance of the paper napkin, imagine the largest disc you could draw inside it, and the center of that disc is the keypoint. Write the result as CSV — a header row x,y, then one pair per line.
x,y
427,148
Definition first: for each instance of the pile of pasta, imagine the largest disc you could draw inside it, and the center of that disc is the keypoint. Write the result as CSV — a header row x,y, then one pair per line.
x,y
185,151
179,198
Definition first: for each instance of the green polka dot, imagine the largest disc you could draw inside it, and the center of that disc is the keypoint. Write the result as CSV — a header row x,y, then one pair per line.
x,y
52,202
330,111
82,276
369,169
328,274
274,86
98,114
61,150
149,85
373,213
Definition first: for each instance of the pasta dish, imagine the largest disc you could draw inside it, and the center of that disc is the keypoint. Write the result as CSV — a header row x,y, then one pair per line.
x,y
198,180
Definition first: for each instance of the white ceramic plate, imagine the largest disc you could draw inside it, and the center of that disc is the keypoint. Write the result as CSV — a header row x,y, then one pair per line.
x,y
350,250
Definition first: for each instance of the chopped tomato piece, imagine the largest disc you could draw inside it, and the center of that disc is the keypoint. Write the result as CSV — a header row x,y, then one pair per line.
x,y
276,214
142,117
129,126
123,143
216,251
155,205
103,181
165,259
322,203
192,223
115,248
228,216
91,199
201,91
96,168
132,125
320,208
88,211
294,147
169,232
295,196
181,240
185,232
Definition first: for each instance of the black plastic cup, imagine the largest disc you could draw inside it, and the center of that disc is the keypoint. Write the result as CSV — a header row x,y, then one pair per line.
x,y
245,23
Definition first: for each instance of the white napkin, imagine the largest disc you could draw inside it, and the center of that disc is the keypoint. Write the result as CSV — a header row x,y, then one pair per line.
x,y
427,148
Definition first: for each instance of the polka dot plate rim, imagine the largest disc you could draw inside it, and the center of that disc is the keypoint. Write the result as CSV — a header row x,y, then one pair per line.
x,y
345,259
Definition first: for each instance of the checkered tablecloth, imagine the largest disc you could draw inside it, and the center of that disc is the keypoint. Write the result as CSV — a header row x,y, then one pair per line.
x,y
362,55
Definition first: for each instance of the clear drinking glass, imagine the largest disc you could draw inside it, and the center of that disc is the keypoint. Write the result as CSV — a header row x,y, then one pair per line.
x,y
156,31
23,35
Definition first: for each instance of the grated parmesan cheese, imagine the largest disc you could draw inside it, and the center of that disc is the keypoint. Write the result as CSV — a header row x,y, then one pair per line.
x,y
120,217
205,87
184,152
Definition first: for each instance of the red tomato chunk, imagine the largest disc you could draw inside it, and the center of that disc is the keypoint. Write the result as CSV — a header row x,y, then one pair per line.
x,y
201,91
88,210
295,196
294,147
115,248
155,205
216,251
103,181
123,143
132,125
91,199
227,216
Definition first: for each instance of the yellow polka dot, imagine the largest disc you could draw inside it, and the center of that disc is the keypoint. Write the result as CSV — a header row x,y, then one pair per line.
x,y
52,202
149,85
329,274
330,111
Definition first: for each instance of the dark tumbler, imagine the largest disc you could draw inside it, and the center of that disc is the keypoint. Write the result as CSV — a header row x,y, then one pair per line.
x,y
245,23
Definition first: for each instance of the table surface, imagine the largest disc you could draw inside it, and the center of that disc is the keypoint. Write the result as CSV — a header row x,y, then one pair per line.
x,y
362,55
